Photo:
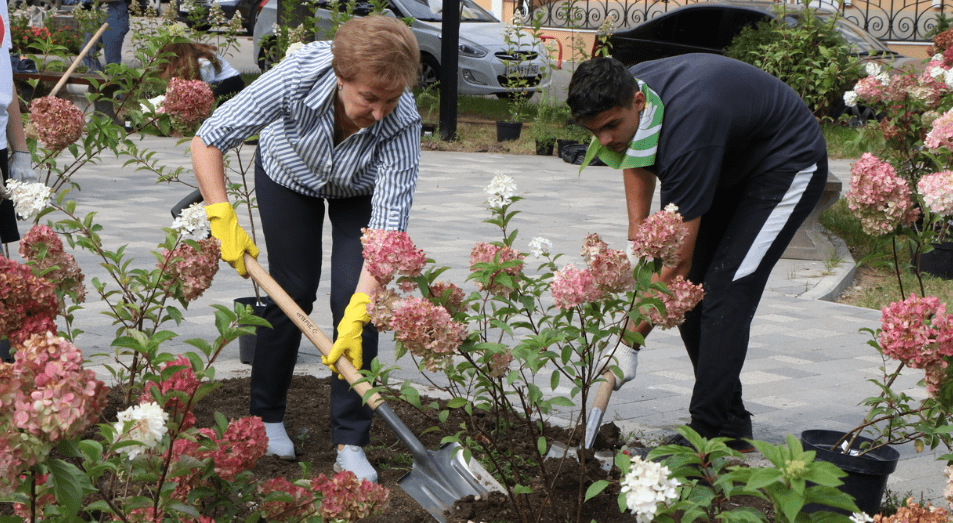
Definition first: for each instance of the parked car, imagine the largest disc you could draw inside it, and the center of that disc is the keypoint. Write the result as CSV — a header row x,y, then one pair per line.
x,y
709,27
486,61
248,9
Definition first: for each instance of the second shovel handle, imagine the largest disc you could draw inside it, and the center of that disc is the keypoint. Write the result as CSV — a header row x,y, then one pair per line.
x,y
308,328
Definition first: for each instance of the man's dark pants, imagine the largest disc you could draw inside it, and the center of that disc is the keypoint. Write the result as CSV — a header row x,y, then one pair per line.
x,y
716,331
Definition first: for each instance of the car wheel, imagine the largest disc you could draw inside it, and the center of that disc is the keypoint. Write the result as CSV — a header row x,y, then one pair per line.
x,y
860,114
250,22
429,72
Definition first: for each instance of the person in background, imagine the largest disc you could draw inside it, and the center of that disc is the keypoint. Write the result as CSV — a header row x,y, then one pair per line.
x,y
339,132
117,16
744,172
15,163
194,61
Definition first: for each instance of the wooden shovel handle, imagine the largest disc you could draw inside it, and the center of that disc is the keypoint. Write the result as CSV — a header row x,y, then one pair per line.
x,y
310,330
605,391
78,59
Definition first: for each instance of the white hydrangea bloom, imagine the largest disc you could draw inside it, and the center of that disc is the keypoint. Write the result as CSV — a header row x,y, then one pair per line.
x,y
28,198
861,517
872,68
192,221
883,78
540,246
156,104
645,486
147,428
937,57
293,48
937,72
501,189
672,208
948,77
850,98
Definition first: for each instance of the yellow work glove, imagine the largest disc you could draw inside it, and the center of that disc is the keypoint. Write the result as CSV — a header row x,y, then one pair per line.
x,y
235,242
349,334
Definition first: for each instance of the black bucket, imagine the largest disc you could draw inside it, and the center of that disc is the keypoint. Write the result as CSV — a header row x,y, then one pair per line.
x,y
247,342
5,356
506,131
867,475
939,261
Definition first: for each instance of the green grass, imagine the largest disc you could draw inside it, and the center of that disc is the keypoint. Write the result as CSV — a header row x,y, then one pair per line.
x,y
877,272
844,142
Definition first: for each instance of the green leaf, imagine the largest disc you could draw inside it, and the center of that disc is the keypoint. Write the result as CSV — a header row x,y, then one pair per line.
x,y
596,488
69,484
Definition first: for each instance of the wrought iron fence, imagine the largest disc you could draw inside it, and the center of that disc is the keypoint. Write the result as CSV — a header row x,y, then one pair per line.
x,y
894,20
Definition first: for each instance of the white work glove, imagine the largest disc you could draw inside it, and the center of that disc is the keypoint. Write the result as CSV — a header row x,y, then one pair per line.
x,y
630,254
21,168
627,359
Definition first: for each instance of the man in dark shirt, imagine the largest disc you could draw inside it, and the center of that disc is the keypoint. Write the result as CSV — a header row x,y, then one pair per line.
x,y
743,158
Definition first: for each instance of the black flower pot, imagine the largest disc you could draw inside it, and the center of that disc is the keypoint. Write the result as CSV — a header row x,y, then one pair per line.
x,y
545,147
428,129
939,261
247,342
561,145
866,475
506,131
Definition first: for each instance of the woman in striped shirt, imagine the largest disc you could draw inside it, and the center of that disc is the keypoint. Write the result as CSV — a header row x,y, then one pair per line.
x,y
339,133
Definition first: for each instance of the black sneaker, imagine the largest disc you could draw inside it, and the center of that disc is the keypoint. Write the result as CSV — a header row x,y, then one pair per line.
x,y
738,428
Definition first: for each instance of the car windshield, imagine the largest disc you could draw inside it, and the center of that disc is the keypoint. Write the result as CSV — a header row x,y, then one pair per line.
x,y
860,41
430,10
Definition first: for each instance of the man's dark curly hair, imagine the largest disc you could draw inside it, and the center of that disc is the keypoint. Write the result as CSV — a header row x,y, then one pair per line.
x,y
598,85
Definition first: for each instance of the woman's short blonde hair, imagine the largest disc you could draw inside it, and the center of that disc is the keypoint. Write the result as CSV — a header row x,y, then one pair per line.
x,y
378,45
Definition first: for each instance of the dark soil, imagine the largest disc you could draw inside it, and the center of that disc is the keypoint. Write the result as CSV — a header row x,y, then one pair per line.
x,y
307,424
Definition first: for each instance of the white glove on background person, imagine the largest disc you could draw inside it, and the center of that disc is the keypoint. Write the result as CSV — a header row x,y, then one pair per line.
x,y
627,359
21,168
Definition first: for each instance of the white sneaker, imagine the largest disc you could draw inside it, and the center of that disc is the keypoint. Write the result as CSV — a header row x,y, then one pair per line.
x,y
352,458
278,442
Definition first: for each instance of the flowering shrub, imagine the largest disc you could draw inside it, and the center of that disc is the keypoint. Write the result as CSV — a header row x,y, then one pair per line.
x,y
191,267
519,331
905,194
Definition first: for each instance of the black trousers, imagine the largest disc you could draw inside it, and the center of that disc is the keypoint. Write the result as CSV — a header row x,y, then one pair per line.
x,y
292,224
8,217
740,239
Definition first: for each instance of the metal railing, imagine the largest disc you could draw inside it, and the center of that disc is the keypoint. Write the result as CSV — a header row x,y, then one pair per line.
x,y
893,20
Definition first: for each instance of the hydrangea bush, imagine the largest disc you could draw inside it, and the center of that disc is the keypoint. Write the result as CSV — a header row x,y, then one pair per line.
x,y
512,338
904,193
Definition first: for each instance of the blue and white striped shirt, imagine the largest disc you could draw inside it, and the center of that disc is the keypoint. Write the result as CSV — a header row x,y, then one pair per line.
x,y
292,107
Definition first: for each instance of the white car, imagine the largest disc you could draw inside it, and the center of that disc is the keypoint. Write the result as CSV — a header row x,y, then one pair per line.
x,y
486,61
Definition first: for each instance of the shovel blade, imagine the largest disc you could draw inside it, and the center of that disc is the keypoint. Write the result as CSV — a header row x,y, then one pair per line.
x,y
441,477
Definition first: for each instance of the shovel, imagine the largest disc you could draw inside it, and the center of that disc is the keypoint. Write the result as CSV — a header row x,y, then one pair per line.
x,y
560,449
438,478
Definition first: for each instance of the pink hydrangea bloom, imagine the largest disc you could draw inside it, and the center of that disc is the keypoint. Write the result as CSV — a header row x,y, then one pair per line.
x,y
188,102
381,308
184,380
592,246
503,280
937,192
447,295
500,364
941,134
573,286
660,236
427,331
57,122
878,197
389,253
870,89
24,296
347,498
239,449
193,270
916,331
43,247
683,298
300,508
612,271
62,398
